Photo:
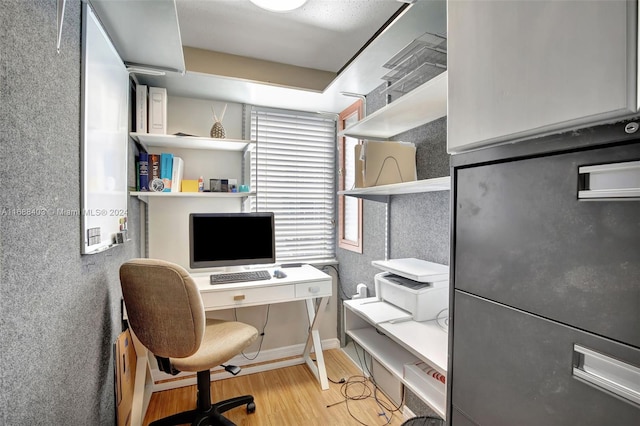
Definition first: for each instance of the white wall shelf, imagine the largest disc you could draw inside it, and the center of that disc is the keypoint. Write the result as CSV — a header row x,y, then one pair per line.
x,y
143,195
422,105
189,142
401,342
382,192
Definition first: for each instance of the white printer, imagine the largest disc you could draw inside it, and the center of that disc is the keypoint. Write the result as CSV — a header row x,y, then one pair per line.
x,y
416,286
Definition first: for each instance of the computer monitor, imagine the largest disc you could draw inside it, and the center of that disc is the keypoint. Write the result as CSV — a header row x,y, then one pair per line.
x,y
231,239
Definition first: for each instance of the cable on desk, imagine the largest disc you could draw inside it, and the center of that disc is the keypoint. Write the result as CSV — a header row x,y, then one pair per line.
x,y
344,294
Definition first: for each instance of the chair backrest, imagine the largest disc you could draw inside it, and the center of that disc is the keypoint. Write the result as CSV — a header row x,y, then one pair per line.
x,y
164,307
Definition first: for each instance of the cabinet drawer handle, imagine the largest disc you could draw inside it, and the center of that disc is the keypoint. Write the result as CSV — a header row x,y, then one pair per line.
x,y
609,181
238,297
314,289
607,373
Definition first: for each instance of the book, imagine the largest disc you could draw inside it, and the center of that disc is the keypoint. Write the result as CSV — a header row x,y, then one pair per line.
x,y
176,177
141,108
143,171
155,183
157,110
166,170
137,187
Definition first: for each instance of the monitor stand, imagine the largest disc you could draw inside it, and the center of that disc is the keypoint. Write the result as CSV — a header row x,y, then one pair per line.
x,y
237,268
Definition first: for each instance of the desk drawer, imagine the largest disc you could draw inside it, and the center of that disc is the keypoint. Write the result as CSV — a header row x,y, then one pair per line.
x,y
246,297
313,289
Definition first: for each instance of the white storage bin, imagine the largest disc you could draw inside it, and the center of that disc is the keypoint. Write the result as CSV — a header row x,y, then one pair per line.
x,y
390,384
423,300
428,382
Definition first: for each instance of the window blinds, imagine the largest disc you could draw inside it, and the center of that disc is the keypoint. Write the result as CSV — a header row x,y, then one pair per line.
x,y
295,178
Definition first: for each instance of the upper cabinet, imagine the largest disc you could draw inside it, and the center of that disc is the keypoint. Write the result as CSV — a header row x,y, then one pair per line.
x,y
146,34
522,69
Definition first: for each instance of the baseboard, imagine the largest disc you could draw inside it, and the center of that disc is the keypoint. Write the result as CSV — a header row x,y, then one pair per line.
x,y
275,354
266,360
407,413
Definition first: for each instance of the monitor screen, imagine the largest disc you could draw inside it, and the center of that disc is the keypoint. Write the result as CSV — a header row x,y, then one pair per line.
x,y
230,239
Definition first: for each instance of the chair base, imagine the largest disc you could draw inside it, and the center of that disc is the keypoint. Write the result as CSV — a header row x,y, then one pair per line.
x,y
207,414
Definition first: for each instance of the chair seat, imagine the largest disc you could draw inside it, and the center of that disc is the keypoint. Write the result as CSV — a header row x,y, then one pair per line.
x,y
222,341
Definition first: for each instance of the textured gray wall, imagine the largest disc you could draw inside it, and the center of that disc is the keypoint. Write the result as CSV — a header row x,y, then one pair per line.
x,y
418,223
59,311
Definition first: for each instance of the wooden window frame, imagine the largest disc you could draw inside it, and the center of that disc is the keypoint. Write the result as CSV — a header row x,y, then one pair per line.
x,y
352,245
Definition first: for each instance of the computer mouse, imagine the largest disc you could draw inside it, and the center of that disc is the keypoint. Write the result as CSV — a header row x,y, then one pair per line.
x,y
279,274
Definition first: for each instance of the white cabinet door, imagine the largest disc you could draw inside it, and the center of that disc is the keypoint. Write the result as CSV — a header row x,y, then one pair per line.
x,y
524,68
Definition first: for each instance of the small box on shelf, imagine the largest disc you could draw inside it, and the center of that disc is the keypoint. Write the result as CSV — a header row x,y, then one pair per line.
x,y
428,382
189,185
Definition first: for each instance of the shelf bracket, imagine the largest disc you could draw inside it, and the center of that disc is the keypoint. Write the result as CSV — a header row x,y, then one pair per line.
x,y
60,7
387,231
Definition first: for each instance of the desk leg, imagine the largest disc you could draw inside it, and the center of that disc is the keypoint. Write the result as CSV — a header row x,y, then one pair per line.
x,y
313,339
141,389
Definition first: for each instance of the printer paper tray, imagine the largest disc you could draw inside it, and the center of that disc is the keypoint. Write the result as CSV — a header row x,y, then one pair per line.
x,y
379,311
414,269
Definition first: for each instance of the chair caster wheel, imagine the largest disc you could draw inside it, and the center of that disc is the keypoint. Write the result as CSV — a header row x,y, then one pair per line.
x,y
251,407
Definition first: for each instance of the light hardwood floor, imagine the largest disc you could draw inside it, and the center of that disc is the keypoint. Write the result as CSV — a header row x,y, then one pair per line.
x,y
291,396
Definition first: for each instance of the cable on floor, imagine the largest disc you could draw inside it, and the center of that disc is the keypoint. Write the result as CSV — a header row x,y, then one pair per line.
x,y
356,388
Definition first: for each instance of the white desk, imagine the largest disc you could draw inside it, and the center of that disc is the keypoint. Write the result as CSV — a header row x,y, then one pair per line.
x,y
304,283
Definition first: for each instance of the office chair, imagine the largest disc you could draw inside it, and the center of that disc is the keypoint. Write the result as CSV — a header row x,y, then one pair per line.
x,y
165,312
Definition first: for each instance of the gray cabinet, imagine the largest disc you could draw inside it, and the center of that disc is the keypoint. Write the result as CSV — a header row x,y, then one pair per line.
x,y
545,300
523,238
524,68
513,368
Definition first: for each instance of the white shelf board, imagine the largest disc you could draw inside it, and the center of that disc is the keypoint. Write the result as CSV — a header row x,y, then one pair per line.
x,y
392,357
144,194
424,339
379,193
189,142
422,105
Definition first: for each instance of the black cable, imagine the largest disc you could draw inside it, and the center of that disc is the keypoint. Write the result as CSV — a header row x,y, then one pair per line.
x,y
266,321
363,391
369,371
342,380
339,280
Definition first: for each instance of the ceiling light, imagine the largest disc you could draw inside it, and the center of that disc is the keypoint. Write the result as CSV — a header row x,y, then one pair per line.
x,y
279,5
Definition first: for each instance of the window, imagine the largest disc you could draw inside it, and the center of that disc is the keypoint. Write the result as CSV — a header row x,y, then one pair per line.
x,y
295,178
349,208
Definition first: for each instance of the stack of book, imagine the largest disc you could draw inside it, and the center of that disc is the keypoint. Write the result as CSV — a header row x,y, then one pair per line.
x,y
159,172
151,110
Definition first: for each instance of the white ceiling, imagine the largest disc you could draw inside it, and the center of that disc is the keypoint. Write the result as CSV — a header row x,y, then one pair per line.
x,y
322,34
